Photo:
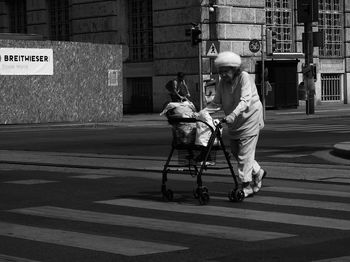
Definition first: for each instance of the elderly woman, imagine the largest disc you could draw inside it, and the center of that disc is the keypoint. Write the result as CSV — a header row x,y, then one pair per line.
x,y
237,96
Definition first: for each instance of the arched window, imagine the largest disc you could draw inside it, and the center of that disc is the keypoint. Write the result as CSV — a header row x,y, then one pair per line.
x,y
279,18
59,20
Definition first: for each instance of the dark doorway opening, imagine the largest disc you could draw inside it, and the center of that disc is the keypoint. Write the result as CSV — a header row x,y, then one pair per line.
x,y
283,78
141,95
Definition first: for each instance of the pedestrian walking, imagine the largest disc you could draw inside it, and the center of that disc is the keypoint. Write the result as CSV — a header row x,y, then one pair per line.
x,y
237,96
178,89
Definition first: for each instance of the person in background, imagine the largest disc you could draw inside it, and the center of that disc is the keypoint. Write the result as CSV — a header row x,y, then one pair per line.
x,y
178,89
237,96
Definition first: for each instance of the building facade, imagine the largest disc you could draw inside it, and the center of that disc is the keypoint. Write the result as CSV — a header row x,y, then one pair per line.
x,y
156,47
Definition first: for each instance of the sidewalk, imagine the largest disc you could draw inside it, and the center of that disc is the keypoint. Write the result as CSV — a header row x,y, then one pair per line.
x,y
154,119
321,111
271,115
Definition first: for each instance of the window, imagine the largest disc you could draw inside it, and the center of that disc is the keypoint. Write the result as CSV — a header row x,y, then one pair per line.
x,y
140,30
330,87
329,22
18,16
59,20
279,19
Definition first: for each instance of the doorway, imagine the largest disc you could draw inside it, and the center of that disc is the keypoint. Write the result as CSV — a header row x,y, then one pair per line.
x,y
141,95
283,78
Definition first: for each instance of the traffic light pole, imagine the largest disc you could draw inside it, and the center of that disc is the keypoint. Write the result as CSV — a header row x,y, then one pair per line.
x,y
307,74
200,76
263,72
196,40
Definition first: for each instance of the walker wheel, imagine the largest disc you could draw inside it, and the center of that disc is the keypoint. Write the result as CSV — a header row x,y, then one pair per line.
x,y
196,193
204,198
236,195
205,189
199,191
169,195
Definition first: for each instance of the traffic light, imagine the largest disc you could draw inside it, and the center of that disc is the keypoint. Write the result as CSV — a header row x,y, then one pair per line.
x,y
307,11
196,35
271,41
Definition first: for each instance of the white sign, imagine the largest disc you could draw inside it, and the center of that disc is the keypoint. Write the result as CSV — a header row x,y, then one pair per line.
x,y
212,50
113,77
26,61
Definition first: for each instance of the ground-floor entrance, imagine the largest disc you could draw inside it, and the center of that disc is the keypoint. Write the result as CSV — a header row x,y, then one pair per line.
x,y
282,75
138,96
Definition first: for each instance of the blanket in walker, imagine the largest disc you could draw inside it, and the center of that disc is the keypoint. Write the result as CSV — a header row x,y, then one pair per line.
x,y
183,133
203,132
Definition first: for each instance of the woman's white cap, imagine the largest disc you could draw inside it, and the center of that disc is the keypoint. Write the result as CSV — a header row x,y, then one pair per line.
x,y
228,58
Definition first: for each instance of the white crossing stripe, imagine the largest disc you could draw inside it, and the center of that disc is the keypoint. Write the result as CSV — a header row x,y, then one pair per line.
x,y
334,259
294,190
92,176
342,132
107,244
233,212
310,128
287,155
30,181
279,201
5,258
223,232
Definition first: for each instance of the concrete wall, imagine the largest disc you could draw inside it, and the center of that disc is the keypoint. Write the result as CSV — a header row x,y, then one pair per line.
x,y
78,91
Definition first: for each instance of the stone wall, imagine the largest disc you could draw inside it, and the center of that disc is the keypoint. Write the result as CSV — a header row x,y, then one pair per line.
x,y
173,51
78,91
99,21
238,22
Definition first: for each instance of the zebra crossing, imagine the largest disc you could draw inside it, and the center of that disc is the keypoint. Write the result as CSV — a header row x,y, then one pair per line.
x,y
219,208
309,128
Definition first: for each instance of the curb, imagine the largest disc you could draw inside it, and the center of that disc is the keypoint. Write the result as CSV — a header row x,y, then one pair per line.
x,y
150,122
342,149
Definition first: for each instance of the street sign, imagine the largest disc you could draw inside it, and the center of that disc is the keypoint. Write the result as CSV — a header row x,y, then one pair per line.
x,y
212,50
254,45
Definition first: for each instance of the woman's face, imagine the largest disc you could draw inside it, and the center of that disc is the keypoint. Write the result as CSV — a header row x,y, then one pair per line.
x,y
227,73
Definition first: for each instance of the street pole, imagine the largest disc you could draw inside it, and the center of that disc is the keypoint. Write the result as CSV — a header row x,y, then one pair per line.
x,y
307,74
200,75
263,72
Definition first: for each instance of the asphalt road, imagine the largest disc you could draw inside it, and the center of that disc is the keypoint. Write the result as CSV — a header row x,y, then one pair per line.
x,y
60,215
295,140
68,214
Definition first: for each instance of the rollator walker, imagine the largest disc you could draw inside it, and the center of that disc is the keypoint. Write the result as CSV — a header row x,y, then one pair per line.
x,y
196,169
